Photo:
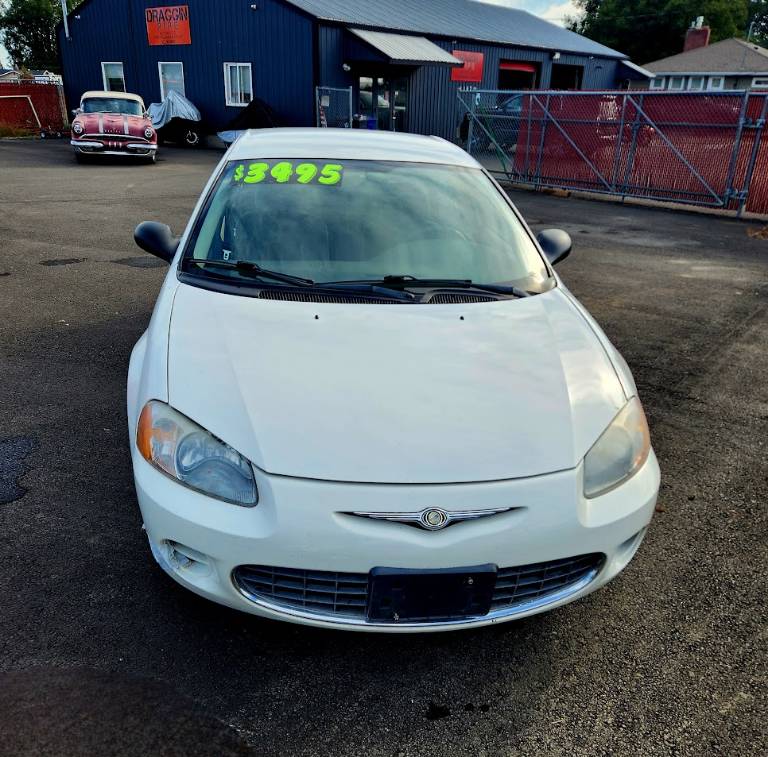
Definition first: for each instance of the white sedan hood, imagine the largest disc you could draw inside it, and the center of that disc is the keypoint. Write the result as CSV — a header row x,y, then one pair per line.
x,y
393,393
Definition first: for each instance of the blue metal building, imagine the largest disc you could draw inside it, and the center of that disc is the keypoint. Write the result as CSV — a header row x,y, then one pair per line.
x,y
403,59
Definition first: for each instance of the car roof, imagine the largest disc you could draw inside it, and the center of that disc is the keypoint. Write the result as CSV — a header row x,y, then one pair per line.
x,y
347,144
113,95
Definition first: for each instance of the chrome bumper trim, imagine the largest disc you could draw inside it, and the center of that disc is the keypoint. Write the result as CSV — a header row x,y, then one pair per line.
x,y
94,146
502,613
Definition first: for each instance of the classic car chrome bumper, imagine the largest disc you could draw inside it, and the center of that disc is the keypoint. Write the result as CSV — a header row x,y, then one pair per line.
x,y
94,146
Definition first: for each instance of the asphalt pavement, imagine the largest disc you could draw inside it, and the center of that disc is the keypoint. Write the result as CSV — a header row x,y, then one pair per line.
x,y
101,653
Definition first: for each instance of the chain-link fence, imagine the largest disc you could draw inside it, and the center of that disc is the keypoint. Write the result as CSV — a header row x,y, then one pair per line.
x,y
696,148
333,107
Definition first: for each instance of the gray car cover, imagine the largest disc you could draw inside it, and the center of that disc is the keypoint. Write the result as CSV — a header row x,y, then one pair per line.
x,y
174,106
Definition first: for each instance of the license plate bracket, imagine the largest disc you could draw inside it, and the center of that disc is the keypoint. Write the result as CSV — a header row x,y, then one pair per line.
x,y
399,595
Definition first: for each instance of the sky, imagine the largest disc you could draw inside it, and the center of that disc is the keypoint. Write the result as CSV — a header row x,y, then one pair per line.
x,y
553,10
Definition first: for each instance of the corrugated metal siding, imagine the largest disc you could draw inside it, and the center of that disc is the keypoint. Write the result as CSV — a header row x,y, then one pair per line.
x,y
433,103
433,106
276,39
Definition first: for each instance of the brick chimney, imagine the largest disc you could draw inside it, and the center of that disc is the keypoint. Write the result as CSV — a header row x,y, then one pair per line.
x,y
696,37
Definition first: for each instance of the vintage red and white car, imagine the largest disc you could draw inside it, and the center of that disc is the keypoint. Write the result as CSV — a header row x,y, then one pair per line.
x,y
113,123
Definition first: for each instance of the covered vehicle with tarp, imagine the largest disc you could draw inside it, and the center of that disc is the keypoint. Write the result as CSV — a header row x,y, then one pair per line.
x,y
176,119
256,115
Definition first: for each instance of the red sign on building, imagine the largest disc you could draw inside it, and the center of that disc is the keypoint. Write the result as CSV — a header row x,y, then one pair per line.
x,y
168,25
472,70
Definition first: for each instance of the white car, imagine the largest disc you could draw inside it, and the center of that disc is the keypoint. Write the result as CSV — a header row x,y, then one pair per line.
x,y
365,400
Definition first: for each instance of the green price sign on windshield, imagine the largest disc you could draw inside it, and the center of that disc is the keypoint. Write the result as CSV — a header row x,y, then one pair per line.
x,y
284,172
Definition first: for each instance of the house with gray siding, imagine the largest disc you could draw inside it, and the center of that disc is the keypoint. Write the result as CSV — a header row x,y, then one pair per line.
x,y
400,63
732,64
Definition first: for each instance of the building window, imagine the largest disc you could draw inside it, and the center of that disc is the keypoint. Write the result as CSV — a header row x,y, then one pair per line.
x,y
760,82
113,77
676,82
716,82
171,78
696,82
658,82
238,84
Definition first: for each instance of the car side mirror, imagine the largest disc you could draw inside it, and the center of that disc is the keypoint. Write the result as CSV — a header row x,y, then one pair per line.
x,y
76,112
557,244
156,239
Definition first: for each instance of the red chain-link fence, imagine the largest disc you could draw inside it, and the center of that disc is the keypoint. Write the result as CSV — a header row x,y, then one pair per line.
x,y
33,107
704,148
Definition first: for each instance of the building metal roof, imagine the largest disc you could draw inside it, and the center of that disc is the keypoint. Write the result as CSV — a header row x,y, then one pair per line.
x,y
730,56
406,49
638,69
457,19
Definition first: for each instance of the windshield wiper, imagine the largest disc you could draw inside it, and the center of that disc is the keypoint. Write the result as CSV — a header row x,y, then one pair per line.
x,y
403,281
371,287
251,269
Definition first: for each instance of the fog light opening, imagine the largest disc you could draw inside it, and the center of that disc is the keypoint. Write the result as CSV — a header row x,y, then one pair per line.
x,y
184,558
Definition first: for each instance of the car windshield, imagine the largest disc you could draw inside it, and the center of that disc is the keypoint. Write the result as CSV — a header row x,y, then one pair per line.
x,y
356,220
111,105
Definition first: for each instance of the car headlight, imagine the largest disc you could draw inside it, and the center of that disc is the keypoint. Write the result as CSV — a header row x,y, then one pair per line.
x,y
619,452
194,457
77,127
149,132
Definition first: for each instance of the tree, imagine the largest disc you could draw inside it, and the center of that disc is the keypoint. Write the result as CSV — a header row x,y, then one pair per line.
x,y
647,30
28,29
758,21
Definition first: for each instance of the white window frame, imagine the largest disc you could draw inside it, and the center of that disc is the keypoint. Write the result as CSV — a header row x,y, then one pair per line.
x,y
702,82
672,80
760,82
658,82
227,90
711,87
104,74
160,65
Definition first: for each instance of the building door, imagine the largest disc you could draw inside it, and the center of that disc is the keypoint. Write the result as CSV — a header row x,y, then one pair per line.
x,y
518,75
383,103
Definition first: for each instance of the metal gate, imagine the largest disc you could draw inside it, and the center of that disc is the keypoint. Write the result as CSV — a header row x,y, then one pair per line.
x,y
702,148
333,107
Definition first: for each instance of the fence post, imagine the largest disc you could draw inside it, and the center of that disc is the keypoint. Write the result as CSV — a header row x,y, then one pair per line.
x,y
729,188
619,144
633,146
317,107
526,167
470,130
544,124
349,122
759,129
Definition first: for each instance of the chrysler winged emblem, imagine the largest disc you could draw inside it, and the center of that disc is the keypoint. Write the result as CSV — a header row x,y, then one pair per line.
x,y
433,518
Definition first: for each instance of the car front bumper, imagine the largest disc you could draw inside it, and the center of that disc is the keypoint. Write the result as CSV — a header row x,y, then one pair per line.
x,y
307,525
106,147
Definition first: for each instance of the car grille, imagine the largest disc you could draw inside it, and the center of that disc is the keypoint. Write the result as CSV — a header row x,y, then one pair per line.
x,y
345,595
529,582
319,591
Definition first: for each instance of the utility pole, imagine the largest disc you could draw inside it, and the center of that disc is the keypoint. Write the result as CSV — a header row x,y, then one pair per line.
x,y
64,18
